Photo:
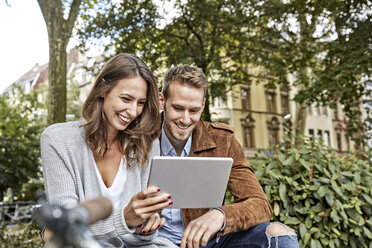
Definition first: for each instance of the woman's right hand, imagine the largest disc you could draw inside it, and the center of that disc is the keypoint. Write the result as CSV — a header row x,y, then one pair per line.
x,y
145,204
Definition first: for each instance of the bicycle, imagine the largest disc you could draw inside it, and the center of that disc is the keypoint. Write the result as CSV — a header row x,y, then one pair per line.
x,y
70,226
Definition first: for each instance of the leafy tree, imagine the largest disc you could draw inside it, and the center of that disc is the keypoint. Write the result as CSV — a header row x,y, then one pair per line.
x,y
59,32
324,44
301,38
20,128
347,65
198,34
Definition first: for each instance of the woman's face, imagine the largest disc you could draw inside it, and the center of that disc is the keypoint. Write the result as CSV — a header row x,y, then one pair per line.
x,y
124,103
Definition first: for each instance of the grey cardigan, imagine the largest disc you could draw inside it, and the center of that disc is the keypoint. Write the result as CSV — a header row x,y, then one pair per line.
x,y
70,177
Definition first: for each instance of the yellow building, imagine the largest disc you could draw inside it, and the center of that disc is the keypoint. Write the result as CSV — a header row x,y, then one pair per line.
x,y
261,116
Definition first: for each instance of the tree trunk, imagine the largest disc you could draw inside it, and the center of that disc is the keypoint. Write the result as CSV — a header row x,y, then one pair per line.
x,y
59,33
57,77
300,123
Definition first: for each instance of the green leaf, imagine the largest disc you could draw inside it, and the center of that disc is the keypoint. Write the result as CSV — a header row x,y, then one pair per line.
x,y
283,193
336,231
357,177
314,229
292,221
308,222
289,161
322,191
303,230
276,209
368,199
281,157
367,232
307,238
305,164
329,198
331,244
315,244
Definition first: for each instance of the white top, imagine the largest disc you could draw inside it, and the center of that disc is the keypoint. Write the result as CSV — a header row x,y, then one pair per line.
x,y
115,191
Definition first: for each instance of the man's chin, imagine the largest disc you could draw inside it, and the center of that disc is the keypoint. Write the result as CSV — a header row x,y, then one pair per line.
x,y
182,137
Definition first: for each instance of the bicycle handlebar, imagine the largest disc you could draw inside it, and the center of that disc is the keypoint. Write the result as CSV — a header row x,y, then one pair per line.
x,y
69,226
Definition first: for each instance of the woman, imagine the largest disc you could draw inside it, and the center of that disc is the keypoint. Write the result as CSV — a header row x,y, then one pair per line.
x,y
108,153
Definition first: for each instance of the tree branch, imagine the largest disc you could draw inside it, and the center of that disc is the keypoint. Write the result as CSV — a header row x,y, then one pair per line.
x,y
188,25
74,12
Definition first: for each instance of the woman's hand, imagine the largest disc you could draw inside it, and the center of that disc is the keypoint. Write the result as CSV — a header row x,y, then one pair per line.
x,y
145,204
153,223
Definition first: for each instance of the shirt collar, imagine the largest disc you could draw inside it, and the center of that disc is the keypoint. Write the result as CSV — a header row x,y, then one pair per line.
x,y
167,148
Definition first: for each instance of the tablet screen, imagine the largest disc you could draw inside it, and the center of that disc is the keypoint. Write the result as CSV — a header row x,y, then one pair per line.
x,y
193,182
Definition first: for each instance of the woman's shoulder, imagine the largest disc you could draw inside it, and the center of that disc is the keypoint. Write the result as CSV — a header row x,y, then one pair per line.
x,y
65,130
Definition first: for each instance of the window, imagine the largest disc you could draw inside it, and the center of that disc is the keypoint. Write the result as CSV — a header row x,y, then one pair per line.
x,y
248,130
273,137
309,110
248,136
311,133
339,144
325,111
317,110
347,143
273,128
245,96
327,138
270,100
319,134
219,102
285,104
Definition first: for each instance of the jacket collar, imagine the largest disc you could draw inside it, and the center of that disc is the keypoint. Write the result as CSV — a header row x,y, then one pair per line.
x,y
201,139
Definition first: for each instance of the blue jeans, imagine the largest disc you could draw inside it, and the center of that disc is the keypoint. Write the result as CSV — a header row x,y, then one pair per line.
x,y
256,237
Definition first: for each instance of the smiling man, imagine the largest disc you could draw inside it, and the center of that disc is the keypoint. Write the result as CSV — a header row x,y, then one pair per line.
x,y
242,224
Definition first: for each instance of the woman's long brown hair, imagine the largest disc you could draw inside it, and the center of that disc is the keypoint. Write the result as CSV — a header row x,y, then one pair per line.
x,y
141,132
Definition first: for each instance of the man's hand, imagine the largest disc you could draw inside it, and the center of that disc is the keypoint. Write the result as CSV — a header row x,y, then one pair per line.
x,y
202,229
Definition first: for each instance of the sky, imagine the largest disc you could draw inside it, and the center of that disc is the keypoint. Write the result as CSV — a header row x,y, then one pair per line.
x,y
23,39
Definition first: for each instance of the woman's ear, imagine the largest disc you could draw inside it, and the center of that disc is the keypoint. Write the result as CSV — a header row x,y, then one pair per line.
x,y
161,101
103,95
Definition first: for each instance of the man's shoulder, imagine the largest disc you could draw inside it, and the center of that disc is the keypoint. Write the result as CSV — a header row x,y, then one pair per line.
x,y
219,127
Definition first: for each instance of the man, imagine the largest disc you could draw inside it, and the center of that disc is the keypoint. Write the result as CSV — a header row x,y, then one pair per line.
x,y
242,224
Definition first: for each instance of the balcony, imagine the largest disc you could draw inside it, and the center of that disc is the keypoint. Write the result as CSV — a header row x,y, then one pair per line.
x,y
220,114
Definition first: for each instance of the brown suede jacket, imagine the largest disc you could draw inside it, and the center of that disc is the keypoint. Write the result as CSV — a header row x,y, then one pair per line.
x,y
251,206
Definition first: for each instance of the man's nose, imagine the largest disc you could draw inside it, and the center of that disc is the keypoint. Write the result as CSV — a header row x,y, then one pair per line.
x,y
185,119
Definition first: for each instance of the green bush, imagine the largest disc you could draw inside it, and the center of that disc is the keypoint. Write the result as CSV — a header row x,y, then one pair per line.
x,y
326,197
20,128
20,236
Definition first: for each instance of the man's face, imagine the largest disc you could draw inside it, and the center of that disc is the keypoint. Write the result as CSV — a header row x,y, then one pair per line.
x,y
182,111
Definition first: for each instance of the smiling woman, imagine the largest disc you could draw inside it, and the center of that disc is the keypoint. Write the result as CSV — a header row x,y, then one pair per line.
x,y
108,152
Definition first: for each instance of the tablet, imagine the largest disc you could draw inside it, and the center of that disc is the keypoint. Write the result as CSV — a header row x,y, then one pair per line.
x,y
193,182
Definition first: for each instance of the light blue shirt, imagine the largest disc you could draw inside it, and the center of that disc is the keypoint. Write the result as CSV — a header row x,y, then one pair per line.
x,y
173,227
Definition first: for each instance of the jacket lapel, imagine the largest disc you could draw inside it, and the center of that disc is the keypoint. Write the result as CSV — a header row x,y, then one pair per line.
x,y
201,140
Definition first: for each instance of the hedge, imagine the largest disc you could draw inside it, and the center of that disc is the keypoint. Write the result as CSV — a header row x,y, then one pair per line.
x,y
325,196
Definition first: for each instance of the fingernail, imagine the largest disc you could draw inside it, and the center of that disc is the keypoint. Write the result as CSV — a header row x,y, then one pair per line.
x,y
159,226
158,190
169,196
170,203
149,231
143,232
